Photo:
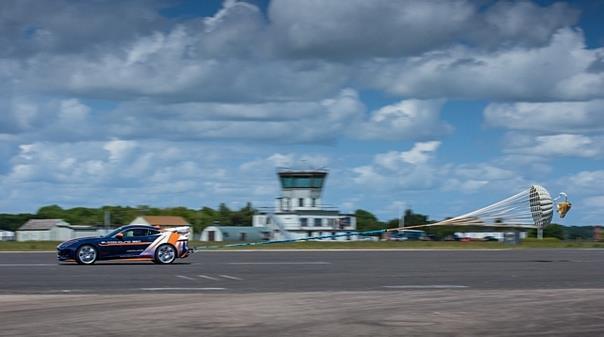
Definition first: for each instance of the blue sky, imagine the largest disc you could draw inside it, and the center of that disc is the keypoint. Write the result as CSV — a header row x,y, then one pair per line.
x,y
441,106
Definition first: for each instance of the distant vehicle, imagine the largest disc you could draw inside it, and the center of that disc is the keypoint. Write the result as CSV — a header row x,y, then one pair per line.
x,y
129,242
408,234
490,238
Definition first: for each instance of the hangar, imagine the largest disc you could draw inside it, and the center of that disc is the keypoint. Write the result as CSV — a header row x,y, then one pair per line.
x,y
52,230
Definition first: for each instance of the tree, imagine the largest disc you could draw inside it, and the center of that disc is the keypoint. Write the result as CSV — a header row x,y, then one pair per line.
x,y
224,215
243,217
414,219
366,221
51,212
554,231
13,221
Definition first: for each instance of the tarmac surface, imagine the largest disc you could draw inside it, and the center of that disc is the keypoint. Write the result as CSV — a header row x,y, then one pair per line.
x,y
546,292
296,271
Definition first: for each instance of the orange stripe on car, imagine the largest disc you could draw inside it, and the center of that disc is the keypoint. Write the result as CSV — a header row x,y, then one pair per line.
x,y
173,238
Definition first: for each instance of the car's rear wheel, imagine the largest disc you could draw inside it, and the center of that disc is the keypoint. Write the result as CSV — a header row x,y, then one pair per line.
x,y
86,254
165,254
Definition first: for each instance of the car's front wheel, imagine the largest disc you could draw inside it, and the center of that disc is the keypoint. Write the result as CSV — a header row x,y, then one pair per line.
x,y
86,254
165,254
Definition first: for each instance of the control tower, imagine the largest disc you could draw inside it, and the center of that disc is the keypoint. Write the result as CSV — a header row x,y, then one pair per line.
x,y
300,189
299,211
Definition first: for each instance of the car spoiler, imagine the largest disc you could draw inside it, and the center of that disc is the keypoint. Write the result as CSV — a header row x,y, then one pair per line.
x,y
185,230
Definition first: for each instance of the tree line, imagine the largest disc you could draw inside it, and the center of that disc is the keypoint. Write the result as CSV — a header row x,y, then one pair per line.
x,y
225,216
120,215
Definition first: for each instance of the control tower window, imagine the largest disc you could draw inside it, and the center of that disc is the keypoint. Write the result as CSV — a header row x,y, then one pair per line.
x,y
302,182
300,202
318,222
314,202
304,222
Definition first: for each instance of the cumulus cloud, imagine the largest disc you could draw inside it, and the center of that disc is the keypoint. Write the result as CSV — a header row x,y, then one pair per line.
x,y
410,119
571,145
123,107
28,27
127,172
228,56
418,168
472,178
405,169
419,154
559,70
549,117
322,121
359,28
585,182
352,29
290,160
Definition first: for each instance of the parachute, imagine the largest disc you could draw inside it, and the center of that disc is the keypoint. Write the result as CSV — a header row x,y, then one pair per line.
x,y
531,208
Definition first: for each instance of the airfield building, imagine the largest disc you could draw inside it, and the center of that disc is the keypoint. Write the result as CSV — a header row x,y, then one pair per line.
x,y
53,230
299,211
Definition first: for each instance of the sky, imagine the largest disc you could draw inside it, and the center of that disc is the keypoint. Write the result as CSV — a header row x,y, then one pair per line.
x,y
438,106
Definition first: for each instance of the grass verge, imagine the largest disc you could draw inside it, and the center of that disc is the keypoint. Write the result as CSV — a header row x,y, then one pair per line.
x,y
527,243
28,245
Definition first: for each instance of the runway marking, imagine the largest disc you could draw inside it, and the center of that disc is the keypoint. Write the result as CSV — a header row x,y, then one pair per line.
x,y
231,277
208,277
279,263
185,277
428,286
27,264
186,289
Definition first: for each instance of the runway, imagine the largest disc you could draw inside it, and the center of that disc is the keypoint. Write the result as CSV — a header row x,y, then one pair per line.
x,y
312,293
284,271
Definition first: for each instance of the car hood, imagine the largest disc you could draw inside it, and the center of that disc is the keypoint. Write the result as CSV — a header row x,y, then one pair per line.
x,y
77,240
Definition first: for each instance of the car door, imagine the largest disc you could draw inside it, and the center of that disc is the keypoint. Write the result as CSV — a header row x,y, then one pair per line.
x,y
136,240
132,242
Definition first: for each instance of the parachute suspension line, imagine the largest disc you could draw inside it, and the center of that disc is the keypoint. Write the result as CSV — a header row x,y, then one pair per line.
x,y
531,208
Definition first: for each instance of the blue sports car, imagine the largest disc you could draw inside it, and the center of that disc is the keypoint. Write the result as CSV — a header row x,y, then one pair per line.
x,y
129,242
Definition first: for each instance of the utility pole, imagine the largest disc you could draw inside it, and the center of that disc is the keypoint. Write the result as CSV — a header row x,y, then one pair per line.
x,y
107,218
401,222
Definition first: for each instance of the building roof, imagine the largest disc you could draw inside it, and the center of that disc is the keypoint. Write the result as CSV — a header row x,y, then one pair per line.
x,y
165,220
41,224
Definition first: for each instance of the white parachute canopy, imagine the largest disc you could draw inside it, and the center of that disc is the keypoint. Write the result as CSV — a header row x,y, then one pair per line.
x,y
531,208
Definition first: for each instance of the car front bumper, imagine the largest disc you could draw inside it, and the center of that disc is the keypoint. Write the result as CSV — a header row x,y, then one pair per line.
x,y
65,254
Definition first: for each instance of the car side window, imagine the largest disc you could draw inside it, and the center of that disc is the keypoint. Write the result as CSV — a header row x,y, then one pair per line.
x,y
135,232
153,232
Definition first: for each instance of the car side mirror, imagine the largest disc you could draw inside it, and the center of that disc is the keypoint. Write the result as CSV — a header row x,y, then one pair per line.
x,y
119,236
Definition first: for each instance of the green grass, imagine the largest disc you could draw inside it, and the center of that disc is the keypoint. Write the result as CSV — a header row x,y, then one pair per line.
x,y
527,243
28,245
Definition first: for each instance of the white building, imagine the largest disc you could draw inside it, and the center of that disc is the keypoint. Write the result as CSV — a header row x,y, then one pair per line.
x,y
299,211
235,234
481,235
7,235
52,230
